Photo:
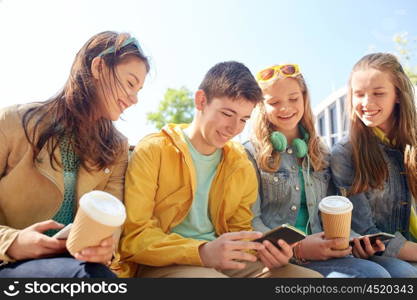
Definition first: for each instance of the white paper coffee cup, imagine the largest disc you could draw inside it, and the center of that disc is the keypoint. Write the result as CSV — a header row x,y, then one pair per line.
x,y
99,215
336,214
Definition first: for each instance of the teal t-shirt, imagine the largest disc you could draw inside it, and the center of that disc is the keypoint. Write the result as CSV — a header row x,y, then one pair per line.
x,y
302,218
197,224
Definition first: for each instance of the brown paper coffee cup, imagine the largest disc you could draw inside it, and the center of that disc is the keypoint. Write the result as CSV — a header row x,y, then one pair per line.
x,y
99,215
336,214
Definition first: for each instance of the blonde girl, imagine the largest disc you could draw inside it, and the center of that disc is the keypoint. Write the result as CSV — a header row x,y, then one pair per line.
x,y
293,172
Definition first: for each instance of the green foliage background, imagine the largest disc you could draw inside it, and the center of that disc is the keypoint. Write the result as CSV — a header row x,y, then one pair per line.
x,y
176,107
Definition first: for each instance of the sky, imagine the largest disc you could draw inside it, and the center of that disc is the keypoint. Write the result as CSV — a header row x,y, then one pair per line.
x,y
185,38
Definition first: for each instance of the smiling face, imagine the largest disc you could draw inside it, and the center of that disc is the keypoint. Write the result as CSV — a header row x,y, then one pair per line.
x,y
219,121
119,91
373,98
284,105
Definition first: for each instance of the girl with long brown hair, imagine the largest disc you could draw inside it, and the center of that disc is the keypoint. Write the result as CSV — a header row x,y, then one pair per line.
x,y
376,166
293,173
53,152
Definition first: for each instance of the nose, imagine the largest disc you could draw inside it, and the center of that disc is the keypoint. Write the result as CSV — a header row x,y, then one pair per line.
x,y
283,108
133,99
365,100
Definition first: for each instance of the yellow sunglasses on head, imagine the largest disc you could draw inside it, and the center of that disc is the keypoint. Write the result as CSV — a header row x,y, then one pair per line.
x,y
287,70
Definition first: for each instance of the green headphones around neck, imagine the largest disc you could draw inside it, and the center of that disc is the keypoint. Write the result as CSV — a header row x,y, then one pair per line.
x,y
279,142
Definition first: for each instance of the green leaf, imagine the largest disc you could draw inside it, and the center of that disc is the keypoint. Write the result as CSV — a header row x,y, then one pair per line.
x,y
176,107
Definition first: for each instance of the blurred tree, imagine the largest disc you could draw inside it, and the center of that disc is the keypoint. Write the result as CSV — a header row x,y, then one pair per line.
x,y
406,52
177,107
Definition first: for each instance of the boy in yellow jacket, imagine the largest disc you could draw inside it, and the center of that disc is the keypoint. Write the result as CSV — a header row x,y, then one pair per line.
x,y
189,191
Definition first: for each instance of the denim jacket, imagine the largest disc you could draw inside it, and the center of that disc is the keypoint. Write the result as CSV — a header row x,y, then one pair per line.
x,y
376,210
279,193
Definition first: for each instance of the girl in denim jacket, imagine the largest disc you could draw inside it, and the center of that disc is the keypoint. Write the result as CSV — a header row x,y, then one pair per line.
x,y
293,173
376,166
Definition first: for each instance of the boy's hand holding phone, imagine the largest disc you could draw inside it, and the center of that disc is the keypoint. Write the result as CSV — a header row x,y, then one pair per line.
x,y
278,244
285,232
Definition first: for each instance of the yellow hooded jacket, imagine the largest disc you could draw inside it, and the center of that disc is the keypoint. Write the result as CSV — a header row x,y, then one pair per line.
x,y
159,190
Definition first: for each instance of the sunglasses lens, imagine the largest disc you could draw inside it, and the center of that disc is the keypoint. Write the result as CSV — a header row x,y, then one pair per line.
x,y
266,74
288,69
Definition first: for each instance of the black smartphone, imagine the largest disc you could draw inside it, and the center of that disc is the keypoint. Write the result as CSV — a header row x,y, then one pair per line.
x,y
382,236
285,232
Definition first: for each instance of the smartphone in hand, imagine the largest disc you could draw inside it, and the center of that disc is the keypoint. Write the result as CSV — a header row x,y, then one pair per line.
x,y
382,236
285,232
63,233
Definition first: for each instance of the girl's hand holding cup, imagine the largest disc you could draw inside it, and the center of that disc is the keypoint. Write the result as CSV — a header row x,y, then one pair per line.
x,y
99,216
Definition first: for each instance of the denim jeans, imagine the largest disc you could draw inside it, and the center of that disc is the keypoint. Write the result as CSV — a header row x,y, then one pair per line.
x,y
396,267
350,267
413,263
56,267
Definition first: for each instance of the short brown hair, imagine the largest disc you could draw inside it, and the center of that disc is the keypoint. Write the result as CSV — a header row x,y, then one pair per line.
x,y
233,80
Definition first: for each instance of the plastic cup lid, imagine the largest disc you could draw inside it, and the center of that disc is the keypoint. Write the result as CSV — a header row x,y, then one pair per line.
x,y
335,205
103,208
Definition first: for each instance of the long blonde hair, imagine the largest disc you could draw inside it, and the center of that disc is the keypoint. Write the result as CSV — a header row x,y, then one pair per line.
x,y
268,159
370,168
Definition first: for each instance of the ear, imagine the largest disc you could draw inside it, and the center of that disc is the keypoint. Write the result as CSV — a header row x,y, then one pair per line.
x,y
397,100
200,100
96,67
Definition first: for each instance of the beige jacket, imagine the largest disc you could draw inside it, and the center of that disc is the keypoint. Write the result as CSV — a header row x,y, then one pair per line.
x,y
32,192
